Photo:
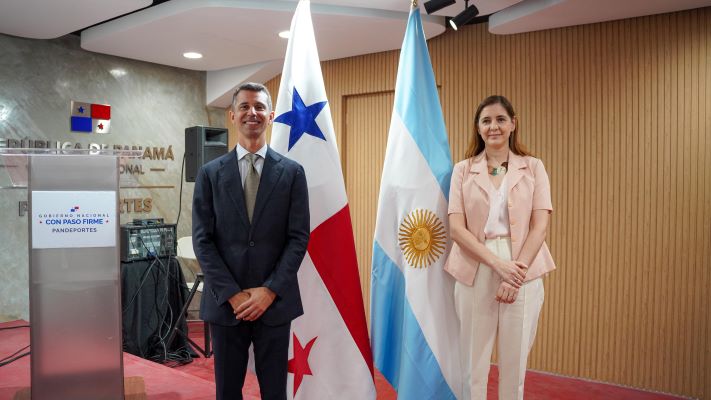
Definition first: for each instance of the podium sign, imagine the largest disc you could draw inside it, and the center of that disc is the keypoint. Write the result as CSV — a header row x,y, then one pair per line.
x,y
75,295
73,219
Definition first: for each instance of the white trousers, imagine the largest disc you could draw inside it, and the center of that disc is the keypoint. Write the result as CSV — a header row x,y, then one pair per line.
x,y
481,317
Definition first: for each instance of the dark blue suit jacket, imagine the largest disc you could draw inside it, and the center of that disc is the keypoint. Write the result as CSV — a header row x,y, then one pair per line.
x,y
235,255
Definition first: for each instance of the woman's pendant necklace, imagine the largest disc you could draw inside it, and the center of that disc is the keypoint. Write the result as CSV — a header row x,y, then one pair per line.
x,y
500,170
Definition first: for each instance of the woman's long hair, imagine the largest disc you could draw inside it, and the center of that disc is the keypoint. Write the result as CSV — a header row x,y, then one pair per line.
x,y
477,145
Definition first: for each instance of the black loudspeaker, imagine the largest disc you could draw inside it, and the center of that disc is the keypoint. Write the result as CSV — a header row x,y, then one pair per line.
x,y
202,144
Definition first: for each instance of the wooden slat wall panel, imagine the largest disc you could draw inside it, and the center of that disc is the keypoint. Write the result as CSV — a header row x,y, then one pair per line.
x,y
620,114
367,120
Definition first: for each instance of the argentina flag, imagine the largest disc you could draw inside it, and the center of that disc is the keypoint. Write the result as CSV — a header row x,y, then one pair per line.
x,y
414,327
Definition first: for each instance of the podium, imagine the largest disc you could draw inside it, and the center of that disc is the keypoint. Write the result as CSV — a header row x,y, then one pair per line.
x,y
74,273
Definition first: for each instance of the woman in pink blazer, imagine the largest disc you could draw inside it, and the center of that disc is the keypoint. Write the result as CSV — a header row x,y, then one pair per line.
x,y
499,209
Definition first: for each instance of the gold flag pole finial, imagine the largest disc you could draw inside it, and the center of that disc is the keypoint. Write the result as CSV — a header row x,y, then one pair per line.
x,y
414,3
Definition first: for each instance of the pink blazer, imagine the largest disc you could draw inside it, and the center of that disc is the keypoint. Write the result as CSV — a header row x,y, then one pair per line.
x,y
529,189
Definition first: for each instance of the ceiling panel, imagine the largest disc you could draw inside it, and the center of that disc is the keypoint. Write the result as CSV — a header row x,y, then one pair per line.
x,y
235,33
42,19
535,15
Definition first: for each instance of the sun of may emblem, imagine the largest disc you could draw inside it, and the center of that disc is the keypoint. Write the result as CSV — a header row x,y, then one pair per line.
x,y
422,238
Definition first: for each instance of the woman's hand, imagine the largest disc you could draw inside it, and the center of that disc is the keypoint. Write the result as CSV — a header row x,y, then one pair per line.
x,y
506,293
512,272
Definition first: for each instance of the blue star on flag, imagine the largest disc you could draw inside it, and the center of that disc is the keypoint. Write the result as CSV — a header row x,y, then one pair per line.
x,y
302,119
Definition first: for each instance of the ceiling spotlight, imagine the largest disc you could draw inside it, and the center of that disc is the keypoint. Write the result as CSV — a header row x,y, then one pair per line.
x,y
285,34
470,11
433,6
192,54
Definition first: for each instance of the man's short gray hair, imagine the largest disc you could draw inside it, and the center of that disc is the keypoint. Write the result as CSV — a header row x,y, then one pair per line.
x,y
252,87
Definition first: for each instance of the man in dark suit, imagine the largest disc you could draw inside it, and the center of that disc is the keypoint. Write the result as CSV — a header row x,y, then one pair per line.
x,y
250,232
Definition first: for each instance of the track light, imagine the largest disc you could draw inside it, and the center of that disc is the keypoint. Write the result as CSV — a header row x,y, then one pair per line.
x,y
465,16
433,6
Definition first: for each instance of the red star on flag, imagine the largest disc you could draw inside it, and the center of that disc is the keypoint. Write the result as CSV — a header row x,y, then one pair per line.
x,y
101,126
299,365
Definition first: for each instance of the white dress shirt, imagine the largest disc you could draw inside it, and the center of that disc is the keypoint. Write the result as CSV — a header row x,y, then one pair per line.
x,y
244,164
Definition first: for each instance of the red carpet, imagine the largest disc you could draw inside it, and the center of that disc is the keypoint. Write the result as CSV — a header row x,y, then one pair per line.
x,y
162,383
196,380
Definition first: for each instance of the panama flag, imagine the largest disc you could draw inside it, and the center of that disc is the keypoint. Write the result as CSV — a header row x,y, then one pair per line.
x,y
414,327
330,356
